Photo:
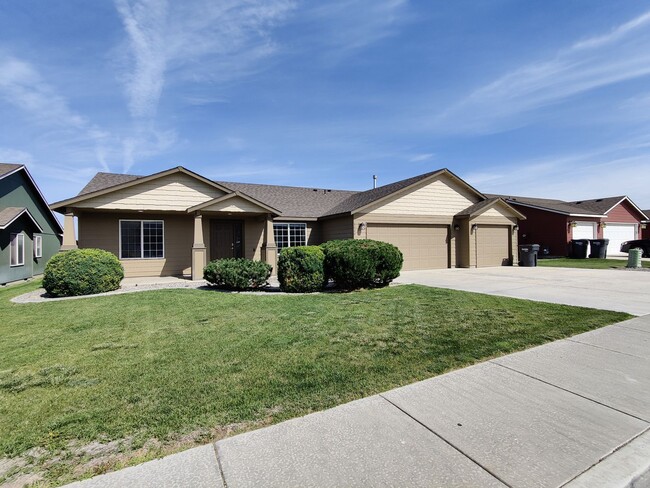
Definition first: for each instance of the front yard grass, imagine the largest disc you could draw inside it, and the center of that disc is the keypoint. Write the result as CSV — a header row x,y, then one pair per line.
x,y
587,263
94,384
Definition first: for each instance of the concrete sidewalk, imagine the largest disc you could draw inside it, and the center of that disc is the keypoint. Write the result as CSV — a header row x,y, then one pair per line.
x,y
574,413
609,289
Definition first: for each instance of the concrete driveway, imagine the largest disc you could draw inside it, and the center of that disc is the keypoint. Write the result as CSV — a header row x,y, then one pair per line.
x,y
616,289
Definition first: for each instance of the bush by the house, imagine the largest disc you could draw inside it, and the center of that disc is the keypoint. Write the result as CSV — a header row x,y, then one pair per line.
x,y
237,273
300,269
82,272
361,263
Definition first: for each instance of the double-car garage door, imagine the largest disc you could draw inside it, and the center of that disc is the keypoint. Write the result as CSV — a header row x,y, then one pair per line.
x,y
427,246
423,246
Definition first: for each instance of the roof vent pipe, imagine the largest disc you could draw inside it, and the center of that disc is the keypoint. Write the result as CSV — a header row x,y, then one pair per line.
x,y
374,181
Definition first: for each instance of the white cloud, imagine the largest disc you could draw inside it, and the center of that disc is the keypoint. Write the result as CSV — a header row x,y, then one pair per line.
x,y
195,40
623,54
418,158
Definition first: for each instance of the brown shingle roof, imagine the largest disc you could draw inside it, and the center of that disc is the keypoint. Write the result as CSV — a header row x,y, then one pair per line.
x,y
8,168
9,214
292,201
599,205
102,181
560,206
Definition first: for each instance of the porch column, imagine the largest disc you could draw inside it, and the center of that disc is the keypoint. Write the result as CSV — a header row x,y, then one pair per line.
x,y
199,253
69,237
269,249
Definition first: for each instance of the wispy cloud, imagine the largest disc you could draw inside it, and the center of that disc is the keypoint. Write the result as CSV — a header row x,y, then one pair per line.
x,y
16,156
418,158
196,40
620,55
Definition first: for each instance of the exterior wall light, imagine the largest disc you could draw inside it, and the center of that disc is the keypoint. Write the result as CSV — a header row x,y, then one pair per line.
x,y
362,226
456,227
515,228
573,223
474,227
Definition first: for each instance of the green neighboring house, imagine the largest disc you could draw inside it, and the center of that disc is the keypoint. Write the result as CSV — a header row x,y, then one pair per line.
x,y
30,234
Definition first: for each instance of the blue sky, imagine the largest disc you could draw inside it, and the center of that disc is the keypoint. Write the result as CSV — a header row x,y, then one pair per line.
x,y
539,98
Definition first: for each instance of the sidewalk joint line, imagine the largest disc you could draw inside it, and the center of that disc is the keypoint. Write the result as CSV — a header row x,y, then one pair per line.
x,y
631,328
446,441
606,456
570,339
571,392
219,466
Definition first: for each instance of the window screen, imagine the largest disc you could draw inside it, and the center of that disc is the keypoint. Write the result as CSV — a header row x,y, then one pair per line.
x,y
290,235
141,239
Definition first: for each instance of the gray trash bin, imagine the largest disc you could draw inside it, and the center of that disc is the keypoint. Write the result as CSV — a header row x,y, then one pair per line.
x,y
528,254
598,248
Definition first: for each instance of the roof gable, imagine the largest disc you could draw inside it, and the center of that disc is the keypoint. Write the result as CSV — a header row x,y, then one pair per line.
x,y
234,202
10,214
37,198
128,181
490,204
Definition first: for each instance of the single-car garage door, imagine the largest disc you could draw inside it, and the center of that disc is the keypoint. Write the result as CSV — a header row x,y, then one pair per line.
x,y
423,246
492,245
617,235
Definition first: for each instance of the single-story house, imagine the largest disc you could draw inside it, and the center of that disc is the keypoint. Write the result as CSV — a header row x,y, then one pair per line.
x,y
554,223
174,221
30,233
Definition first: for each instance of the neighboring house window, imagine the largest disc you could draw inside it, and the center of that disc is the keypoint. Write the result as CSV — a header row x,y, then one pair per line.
x,y
142,239
17,249
38,246
290,235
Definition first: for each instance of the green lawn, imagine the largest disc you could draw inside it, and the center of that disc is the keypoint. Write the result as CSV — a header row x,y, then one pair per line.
x,y
587,263
162,370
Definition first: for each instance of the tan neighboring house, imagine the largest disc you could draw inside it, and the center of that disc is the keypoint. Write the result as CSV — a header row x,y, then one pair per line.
x,y
175,221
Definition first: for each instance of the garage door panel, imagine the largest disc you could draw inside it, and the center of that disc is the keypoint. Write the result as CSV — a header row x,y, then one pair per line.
x,y
492,245
617,235
423,246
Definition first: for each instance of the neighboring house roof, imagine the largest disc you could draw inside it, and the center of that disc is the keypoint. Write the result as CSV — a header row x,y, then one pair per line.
x,y
10,214
480,207
9,169
647,215
556,206
598,207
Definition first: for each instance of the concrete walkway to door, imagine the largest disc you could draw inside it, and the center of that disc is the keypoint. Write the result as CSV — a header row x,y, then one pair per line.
x,y
616,289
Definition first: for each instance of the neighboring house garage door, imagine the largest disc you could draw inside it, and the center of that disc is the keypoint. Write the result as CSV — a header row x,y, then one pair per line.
x,y
492,245
423,246
617,235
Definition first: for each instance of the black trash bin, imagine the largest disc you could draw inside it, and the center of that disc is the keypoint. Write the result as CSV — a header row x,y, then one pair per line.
x,y
598,248
528,254
579,248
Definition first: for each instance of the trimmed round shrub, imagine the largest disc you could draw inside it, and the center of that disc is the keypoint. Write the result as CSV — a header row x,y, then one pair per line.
x,y
361,263
300,269
82,272
237,273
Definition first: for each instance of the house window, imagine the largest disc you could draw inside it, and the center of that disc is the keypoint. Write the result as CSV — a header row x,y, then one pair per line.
x,y
142,239
17,249
290,235
38,246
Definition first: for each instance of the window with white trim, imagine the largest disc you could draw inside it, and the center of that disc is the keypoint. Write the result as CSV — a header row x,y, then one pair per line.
x,y
17,249
290,235
38,246
142,239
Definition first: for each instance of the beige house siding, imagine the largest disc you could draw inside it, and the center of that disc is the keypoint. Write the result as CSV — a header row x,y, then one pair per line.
x,y
438,197
102,230
176,192
338,228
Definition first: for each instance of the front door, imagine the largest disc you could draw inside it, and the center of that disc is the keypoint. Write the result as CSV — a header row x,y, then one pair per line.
x,y
226,239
